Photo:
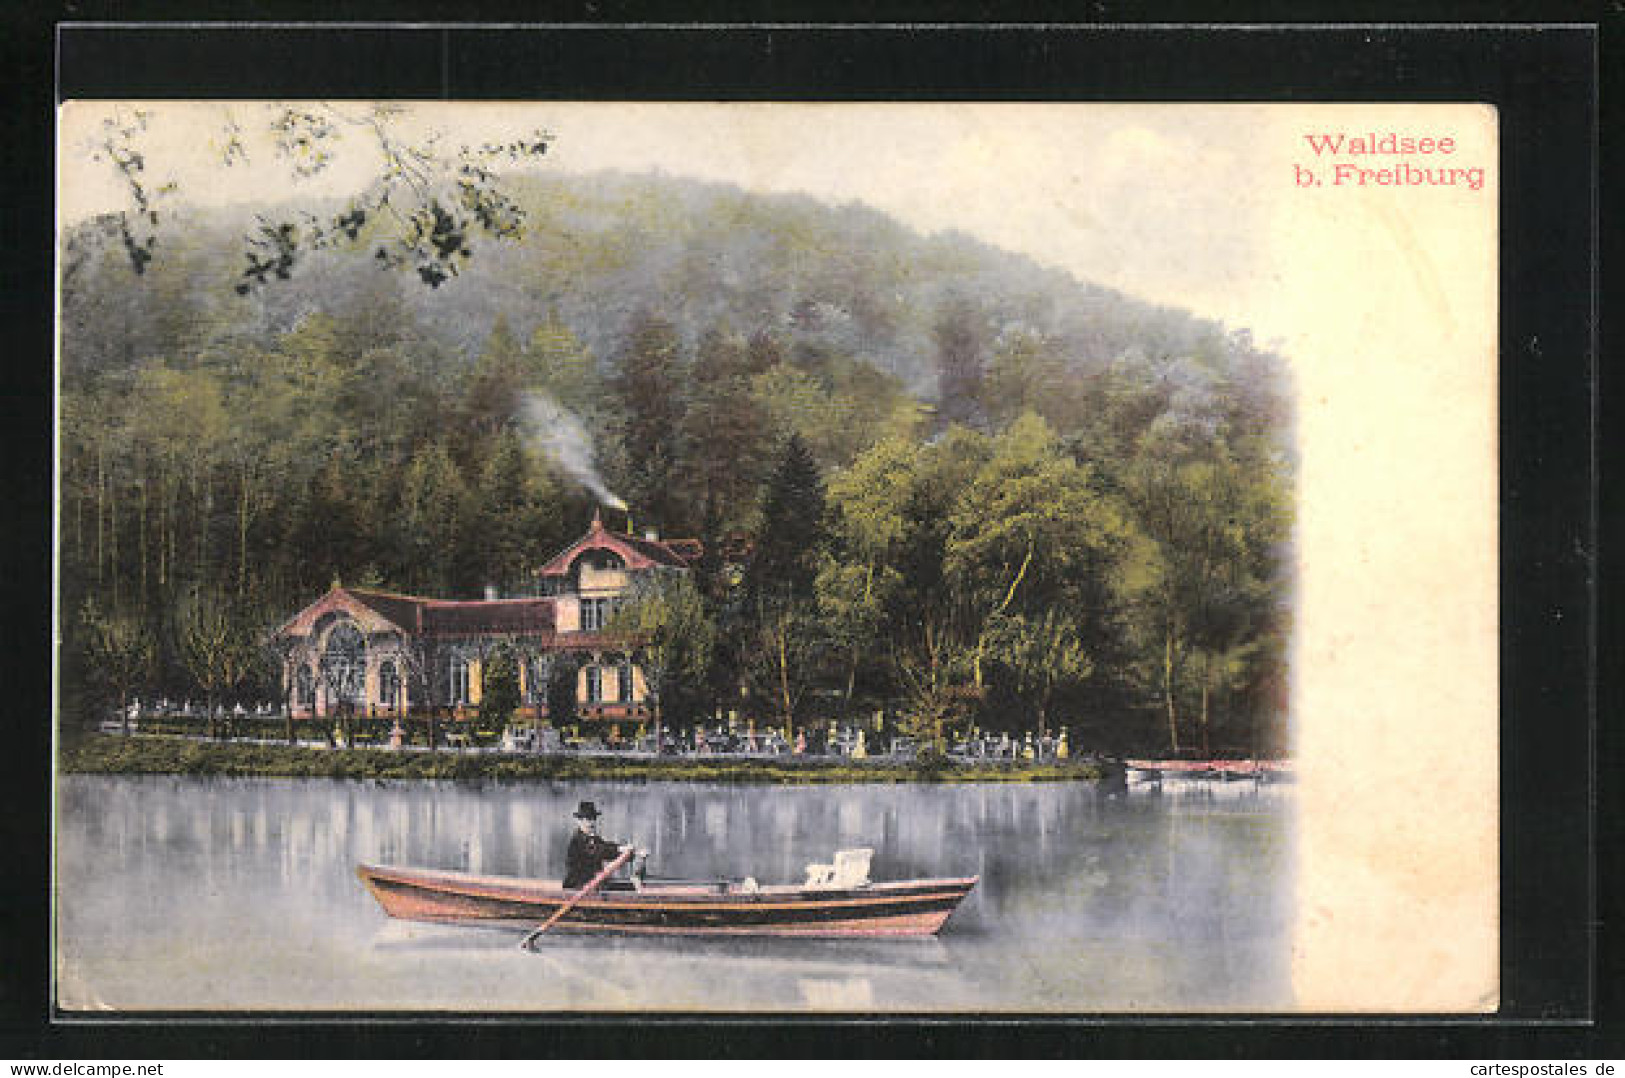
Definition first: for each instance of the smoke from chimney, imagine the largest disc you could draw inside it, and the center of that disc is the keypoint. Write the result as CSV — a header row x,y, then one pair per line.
x,y
553,429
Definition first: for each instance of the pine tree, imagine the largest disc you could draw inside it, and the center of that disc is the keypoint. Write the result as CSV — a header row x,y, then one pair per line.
x,y
724,431
647,384
784,558
499,543
434,502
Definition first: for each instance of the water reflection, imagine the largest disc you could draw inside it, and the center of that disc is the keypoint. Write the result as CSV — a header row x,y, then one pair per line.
x,y
838,993
186,893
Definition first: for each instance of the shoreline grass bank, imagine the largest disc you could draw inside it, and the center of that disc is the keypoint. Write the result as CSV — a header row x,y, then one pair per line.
x,y
114,754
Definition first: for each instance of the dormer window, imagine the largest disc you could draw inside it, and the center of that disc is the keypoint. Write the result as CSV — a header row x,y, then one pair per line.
x,y
590,566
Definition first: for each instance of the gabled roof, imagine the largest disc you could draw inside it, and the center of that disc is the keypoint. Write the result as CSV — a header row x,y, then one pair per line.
x,y
637,553
373,611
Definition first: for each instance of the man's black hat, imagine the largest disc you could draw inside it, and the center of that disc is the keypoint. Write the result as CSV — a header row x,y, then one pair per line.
x,y
587,811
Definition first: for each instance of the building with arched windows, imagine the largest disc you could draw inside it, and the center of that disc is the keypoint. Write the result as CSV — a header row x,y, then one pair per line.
x,y
371,652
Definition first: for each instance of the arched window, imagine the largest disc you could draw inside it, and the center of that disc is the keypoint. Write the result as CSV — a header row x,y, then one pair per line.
x,y
389,684
344,664
304,687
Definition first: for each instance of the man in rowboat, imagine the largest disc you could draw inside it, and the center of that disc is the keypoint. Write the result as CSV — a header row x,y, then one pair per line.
x,y
588,854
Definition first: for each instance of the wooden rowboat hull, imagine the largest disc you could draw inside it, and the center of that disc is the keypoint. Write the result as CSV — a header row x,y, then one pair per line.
x,y
1225,768
902,909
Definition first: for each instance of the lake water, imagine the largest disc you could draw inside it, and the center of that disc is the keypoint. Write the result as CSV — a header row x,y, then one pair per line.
x,y
187,894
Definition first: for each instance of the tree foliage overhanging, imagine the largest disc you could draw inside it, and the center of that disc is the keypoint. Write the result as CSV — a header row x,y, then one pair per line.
x,y
975,492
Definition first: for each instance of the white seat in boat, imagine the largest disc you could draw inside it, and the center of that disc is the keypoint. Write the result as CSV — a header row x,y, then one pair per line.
x,y
850,869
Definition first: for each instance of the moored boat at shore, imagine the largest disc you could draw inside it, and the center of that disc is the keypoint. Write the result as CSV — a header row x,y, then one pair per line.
x,y
1227,768
824,909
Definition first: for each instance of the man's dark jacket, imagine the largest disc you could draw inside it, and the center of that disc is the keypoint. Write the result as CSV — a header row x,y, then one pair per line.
x,y
586,857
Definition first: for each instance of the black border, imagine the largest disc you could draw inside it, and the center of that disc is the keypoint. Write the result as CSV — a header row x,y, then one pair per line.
x,y
1542,79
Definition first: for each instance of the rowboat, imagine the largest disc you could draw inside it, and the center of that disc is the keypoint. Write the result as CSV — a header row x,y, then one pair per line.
x,y
1221,768
824,907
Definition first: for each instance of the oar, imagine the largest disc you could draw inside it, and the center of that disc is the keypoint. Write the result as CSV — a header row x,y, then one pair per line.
x,y
592,885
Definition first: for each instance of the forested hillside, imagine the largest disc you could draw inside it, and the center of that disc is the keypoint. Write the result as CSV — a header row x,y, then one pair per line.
x,y
977,491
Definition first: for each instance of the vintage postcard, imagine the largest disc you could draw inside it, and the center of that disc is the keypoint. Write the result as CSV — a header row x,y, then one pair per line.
x,y
794,558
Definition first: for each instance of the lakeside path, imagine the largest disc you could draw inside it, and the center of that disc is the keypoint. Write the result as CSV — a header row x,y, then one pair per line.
x,y
113,754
